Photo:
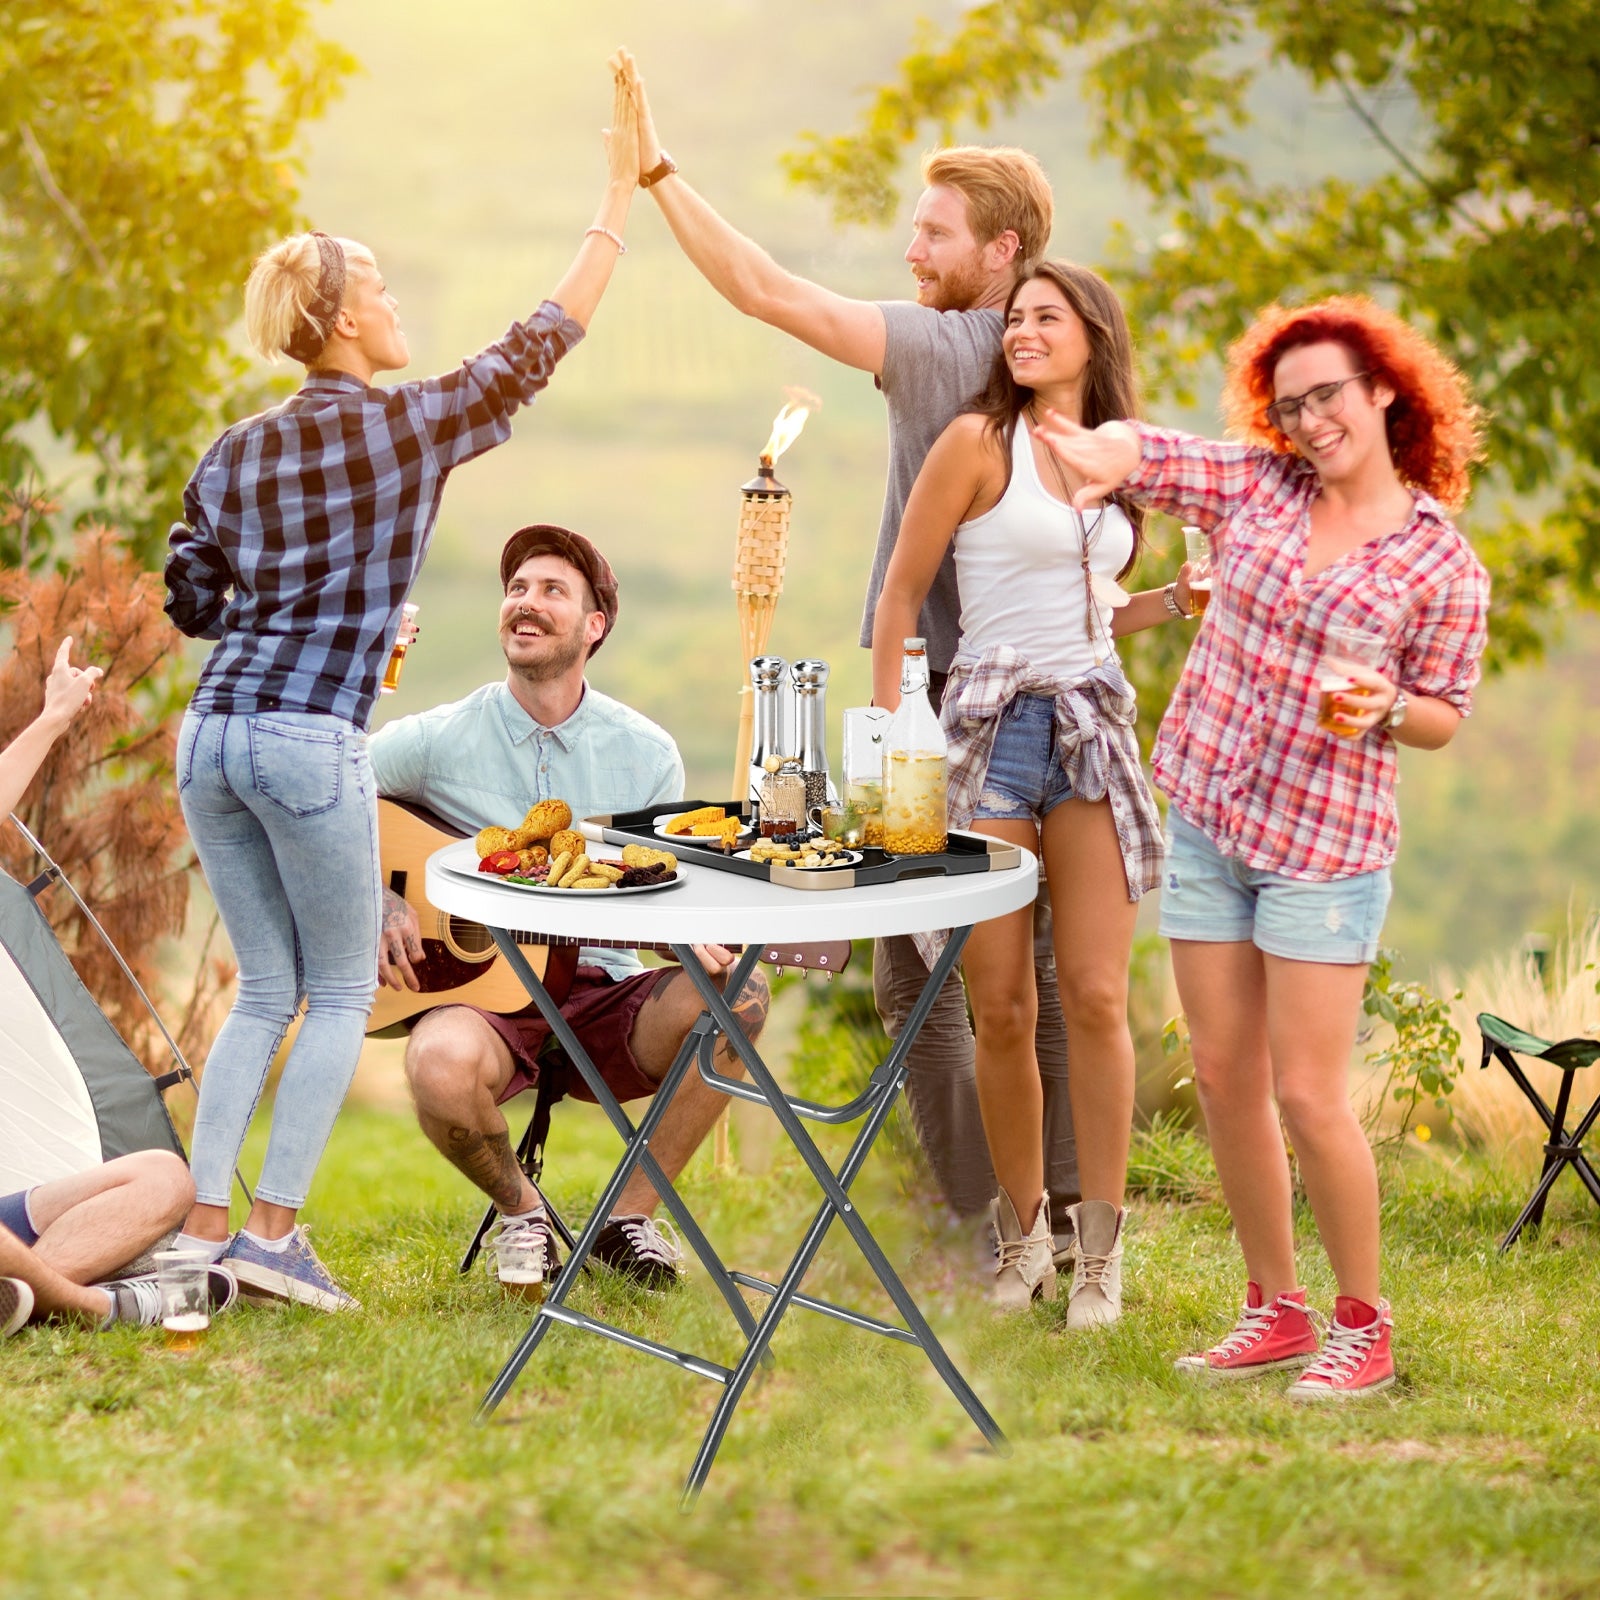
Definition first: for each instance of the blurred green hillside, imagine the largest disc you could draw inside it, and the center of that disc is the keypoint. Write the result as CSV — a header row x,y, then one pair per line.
x,y
468,156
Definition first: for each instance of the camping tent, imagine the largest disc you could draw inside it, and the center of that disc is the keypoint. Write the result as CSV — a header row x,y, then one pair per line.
x,y
72,1094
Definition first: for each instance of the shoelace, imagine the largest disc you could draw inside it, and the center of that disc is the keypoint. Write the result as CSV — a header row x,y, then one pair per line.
x,y
144,1296
1341,1353
652,1240
1092,1270
1255,1322
1011,1252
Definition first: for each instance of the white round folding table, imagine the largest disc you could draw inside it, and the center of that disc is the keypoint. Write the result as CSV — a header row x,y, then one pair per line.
x,y
712,906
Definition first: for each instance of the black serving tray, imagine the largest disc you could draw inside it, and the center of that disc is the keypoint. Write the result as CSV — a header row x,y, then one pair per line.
x,y
967,852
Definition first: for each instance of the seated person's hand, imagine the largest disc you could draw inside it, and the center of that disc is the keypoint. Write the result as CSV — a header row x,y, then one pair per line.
x,y
399,944
717,959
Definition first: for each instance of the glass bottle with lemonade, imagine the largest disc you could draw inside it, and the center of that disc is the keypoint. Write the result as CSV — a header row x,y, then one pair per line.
x,y
916,760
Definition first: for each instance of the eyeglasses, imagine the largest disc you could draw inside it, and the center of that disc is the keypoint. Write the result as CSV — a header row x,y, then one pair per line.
x,y
1326,400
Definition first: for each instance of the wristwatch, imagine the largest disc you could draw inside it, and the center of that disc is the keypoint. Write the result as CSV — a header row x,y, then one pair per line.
x,y
1169,598
1397,712
664,168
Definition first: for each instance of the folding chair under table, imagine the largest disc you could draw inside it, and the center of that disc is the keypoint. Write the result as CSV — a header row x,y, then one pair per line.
x,y
707,907
1504,1042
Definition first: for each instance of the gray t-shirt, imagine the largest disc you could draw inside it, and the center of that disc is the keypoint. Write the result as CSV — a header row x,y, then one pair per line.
x,y
934,363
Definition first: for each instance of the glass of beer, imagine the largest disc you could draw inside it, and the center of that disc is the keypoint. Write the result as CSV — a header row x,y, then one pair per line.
x,y
519,1265
1197,552
1346,648
402,643
182,1282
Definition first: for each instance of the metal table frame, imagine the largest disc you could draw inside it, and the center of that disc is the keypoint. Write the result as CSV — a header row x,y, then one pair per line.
x,y
871,1107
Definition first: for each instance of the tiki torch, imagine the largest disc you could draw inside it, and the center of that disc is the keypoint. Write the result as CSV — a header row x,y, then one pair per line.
x,y
758,563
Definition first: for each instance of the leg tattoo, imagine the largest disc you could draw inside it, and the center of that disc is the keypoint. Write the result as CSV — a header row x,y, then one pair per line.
x,y
489,1161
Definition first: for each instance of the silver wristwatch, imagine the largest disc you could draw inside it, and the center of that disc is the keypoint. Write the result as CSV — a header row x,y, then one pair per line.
x,y
1169,598
1397,712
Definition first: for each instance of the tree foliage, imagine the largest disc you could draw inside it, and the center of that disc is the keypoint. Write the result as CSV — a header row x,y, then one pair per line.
x,y
1481,225
103,803
146,156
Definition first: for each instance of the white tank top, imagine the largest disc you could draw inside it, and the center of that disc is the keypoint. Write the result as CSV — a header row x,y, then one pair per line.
x,y
1020,570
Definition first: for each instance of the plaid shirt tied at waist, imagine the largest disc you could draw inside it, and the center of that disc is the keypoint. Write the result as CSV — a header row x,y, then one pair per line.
x,y
1095,744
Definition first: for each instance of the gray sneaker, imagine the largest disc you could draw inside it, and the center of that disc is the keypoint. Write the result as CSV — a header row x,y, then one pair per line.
x,y
138,1299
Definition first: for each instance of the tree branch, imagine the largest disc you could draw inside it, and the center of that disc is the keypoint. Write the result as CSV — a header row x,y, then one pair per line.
x,y
47,182
1375,128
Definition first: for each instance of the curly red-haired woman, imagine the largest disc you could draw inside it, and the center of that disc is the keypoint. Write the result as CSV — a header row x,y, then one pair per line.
x,y
1330,515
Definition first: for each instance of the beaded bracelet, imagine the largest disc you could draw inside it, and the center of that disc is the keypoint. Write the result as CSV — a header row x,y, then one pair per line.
x,y
615,238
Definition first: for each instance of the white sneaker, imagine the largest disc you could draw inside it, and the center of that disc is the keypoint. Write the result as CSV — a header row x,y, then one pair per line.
x,y
1096,1297
1025,1270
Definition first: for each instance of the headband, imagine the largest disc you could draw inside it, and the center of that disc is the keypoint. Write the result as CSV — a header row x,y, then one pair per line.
x,y
309,337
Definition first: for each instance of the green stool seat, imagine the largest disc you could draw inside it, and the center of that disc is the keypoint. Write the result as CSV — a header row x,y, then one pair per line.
x,y
1504,1042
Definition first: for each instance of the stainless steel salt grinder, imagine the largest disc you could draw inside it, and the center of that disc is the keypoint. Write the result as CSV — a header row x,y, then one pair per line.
x,y
768,678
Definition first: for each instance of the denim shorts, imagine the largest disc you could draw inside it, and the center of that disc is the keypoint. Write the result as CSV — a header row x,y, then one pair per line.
x,y
1214,899
1025,779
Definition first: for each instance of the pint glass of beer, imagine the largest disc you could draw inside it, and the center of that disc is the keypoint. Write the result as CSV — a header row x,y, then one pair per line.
x,y
182,1282
1197,552
1346,647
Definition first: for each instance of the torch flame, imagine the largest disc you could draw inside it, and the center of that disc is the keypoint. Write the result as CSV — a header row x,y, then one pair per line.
x,y
787,425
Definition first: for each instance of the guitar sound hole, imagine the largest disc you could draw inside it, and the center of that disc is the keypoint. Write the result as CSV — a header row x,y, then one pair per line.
x,y
471,941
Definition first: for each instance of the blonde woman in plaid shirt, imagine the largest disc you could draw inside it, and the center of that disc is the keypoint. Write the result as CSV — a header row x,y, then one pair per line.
x,y
303,529
1357,436
1043,754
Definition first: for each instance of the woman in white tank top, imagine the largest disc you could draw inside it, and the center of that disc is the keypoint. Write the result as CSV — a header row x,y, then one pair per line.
x,y
1043,753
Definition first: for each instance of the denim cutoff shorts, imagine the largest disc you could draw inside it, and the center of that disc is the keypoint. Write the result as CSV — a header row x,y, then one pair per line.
x,y
1025,780
1215,899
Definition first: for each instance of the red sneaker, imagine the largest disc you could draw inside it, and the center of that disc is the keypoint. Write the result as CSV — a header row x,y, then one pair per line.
x,y
1271,1338
1355,1358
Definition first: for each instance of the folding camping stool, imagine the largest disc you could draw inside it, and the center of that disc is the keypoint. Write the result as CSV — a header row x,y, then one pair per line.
x,y
1504,1042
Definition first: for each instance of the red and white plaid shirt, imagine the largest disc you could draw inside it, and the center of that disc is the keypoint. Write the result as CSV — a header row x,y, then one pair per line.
x,y
1239,752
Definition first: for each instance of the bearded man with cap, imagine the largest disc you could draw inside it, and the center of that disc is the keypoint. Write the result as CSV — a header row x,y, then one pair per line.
x,y
544,732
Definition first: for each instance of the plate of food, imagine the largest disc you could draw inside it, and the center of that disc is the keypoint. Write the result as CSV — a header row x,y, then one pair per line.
x,y
639,870
707,826
809,856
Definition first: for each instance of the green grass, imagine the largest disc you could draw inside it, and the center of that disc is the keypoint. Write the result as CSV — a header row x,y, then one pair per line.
x,y
302,1455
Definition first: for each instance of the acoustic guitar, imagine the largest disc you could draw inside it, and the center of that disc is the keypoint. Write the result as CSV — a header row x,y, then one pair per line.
x,y
462,965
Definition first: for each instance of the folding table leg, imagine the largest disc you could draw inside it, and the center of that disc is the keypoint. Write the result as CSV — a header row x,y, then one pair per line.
x,y
836,1203
637,1154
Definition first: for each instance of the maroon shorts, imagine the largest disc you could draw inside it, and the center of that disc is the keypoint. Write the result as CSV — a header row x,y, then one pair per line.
x,y
601,1011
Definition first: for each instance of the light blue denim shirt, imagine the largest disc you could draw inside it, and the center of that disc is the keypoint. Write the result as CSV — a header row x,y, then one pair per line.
x,y
483,761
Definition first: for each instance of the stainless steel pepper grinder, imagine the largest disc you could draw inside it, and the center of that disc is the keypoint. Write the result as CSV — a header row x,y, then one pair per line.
x,y
811,723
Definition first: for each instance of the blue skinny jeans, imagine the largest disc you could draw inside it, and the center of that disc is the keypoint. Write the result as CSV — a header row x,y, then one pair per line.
x,y
282,808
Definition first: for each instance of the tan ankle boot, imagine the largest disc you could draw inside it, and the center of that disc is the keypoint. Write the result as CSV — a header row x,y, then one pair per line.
x,y
1097,1274
1026,1271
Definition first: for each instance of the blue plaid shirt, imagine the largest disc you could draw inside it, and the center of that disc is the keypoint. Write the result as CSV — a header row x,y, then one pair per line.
x,y
317,514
